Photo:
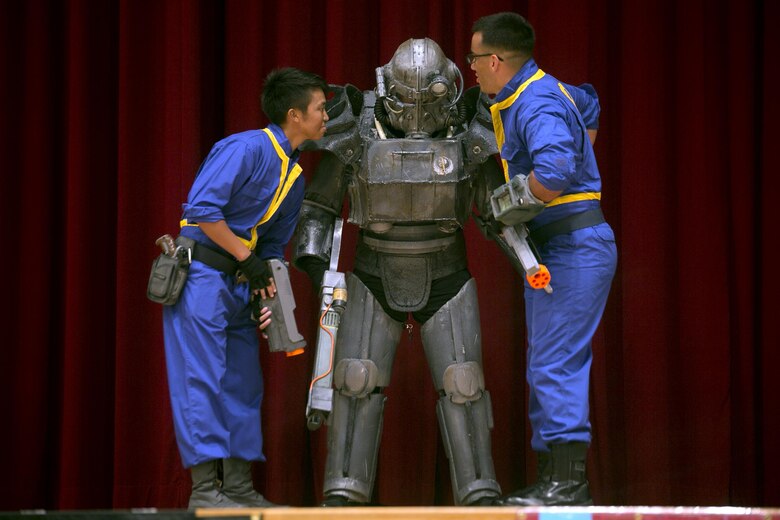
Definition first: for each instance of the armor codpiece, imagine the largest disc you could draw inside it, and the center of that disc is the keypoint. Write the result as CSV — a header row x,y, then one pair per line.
x,y
413,159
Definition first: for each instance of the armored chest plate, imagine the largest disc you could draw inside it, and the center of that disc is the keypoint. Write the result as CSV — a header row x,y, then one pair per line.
x,y
411,180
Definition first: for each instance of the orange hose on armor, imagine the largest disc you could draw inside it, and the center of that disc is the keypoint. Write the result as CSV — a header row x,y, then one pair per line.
x,y
332,350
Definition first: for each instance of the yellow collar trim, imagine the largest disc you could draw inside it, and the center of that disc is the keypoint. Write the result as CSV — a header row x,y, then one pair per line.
x,y
281,190
495,112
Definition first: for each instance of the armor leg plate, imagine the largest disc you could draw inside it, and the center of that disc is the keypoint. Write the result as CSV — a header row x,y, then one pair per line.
x,y
365,351
452,341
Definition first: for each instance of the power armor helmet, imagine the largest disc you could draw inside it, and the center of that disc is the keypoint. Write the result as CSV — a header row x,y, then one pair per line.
x,y
420,90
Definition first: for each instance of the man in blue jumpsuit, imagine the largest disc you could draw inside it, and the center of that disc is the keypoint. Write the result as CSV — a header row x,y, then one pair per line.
x,y
241,210
542,136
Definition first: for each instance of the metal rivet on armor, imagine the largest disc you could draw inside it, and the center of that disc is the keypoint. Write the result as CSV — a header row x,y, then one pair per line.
x,y
349,153
477,150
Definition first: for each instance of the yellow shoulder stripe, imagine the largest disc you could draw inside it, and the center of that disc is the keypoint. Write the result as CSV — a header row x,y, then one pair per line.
x,y
282,189
566,93
495,112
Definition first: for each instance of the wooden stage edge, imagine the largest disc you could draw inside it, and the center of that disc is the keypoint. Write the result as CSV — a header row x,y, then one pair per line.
x,y
409,513
498,513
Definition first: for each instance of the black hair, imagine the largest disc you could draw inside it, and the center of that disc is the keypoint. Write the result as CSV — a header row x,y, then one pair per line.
x,y
288,88
506,31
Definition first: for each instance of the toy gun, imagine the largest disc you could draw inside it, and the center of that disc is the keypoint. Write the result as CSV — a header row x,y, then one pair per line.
x,y
167,244
333,299
513,206
282,332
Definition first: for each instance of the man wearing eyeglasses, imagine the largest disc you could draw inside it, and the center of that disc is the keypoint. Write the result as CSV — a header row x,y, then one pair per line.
x,y
544,131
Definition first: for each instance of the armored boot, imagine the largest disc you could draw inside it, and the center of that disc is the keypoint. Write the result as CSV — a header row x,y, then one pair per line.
x,y
237,484
566,484
340,501
205,488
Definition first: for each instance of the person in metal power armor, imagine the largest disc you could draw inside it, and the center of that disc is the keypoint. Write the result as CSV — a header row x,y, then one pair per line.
x,y
411,154
542,131
241,210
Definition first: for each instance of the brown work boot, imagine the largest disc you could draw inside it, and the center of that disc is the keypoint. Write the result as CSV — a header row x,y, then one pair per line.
x,y
205,487
237,484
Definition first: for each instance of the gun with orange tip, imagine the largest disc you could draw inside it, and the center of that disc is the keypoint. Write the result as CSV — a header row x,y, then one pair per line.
x,y
282,332
513,205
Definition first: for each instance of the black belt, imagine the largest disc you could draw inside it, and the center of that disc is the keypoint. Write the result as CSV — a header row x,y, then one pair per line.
x,y
543,234
214,259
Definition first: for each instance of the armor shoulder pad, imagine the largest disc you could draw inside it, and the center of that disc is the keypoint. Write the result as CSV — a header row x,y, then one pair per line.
x,y
478,107
355,96
341,135
479,140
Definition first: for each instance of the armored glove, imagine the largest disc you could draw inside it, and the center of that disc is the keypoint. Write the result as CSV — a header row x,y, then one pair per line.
x,y
256,271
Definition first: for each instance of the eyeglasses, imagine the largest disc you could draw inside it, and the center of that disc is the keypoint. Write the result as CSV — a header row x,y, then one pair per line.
x,y
471,57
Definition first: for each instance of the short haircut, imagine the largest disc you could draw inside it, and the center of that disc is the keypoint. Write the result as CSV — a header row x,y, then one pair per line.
x,y
288,88
506,31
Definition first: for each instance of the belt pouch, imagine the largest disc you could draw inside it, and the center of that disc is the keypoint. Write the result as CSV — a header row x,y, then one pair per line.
x,y
169,273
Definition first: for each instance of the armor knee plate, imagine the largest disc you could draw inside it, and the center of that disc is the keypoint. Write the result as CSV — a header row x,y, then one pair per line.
x,y
453,336
366,332
464,382
355,377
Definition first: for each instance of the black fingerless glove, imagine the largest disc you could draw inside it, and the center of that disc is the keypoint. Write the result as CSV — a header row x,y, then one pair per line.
x,y
256,271
315,268
256,303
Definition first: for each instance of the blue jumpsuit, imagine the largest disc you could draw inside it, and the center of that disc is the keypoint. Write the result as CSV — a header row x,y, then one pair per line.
x,y
211,346
540,125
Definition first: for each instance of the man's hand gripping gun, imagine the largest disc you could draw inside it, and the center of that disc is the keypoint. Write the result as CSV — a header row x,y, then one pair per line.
x,y
333,299
282,332
513,205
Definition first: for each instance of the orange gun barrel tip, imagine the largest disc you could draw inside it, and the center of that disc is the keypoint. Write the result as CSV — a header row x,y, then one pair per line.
x,y
294,352
540,279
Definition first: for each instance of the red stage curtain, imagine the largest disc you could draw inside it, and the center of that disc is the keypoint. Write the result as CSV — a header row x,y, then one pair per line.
x,y
108,107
